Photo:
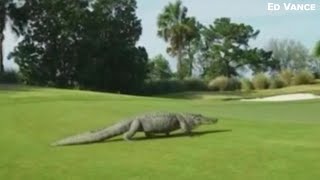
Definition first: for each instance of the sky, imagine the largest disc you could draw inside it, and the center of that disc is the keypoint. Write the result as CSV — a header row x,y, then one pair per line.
x,y
303,26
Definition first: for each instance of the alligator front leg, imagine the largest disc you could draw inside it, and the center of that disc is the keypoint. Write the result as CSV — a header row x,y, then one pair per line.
x,y
184,127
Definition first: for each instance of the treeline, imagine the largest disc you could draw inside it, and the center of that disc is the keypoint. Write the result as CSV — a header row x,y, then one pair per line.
x,y
220,56
92,44
222,48
85,44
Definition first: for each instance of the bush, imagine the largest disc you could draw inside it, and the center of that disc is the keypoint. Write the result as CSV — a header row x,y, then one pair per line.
x,y
276,82
316,75
219,83
246,85
234,84
172,86
303,77
162,87
194,84
286,77
223,83
10,77
260,81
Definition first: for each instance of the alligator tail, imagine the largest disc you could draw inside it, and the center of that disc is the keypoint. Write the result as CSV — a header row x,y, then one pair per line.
x,y
95,136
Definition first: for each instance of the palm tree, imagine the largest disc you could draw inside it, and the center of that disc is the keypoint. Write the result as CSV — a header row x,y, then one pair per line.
x,y
8,10
176,28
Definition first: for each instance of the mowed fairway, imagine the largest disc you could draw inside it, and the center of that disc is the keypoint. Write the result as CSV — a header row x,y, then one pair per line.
x,y
251,141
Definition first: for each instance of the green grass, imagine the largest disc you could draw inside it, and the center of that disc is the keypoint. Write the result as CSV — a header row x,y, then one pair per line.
x,y
251,141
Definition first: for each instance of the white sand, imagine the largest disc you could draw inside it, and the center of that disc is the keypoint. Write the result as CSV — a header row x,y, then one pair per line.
x,y
288,97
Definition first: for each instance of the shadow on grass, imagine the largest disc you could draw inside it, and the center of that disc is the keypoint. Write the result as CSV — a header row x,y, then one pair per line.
x,y
176,135
224,96
158,137
13,88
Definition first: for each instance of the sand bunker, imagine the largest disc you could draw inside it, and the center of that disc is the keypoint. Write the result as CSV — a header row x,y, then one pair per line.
x,y
288,97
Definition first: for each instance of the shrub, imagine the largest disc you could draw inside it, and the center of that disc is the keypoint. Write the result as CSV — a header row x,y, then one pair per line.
x,y
10,77
223,83
219,83
193,84
303,77
276,82
316,75
246,84
234,84
260,81
172,86
286,77
163,86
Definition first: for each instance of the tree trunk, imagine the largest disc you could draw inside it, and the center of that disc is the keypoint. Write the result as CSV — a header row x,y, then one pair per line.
x,y
190,62
179,64
1,52
190,67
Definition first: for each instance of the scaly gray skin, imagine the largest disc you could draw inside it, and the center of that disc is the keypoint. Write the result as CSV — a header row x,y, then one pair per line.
x,y
150,124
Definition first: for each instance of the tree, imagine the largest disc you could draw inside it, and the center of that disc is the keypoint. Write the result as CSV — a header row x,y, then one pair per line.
x,y
88,43
227,49
10,11
47,53
159,68
176,28
317,49
315,64
116,64
290,54
193,48
3,17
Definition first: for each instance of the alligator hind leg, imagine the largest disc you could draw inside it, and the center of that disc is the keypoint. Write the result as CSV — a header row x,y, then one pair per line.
x,y
134,127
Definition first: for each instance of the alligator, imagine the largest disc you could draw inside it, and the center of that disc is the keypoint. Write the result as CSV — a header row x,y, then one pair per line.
x,y
150,124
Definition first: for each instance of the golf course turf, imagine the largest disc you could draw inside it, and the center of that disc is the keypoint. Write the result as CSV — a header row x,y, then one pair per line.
x,y
252,140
